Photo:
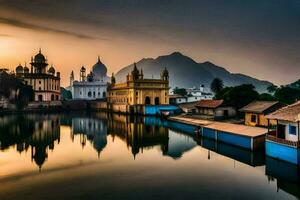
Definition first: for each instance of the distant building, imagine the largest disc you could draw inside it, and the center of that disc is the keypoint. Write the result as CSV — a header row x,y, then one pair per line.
x,y
196,94
139,95
92,86
44,81
189,107
283,140
193,95
215,109
256,111
177,99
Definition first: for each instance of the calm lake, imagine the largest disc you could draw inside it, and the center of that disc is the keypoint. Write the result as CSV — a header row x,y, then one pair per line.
x,y
101,156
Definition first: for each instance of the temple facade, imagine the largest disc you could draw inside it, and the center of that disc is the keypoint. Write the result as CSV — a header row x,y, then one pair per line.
x,y
92,86
137,92
44,81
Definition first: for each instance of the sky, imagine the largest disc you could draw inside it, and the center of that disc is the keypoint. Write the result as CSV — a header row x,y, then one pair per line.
x,y
260,38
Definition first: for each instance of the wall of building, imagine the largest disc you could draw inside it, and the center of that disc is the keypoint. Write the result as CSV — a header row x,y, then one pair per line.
x,y
48,87
219,112
260,120
89,92
289,136
205,111
282,152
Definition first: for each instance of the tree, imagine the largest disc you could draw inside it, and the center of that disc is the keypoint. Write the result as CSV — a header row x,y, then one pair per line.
x,y
180,91
65,94
272,88
267,97
216,85
287,95
238,96
26,94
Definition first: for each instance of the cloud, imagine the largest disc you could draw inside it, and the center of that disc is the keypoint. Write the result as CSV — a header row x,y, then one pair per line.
x,y
5,35
31,26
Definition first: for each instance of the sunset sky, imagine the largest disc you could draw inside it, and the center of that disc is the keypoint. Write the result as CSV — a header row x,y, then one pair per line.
x,y
260,38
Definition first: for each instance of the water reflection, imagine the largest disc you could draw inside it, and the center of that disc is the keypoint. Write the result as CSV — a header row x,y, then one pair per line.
x,y
286,176
39,134
92,129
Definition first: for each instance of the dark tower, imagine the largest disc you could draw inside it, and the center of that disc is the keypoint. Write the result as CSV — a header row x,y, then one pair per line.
x,y
82,74
135,73
113,79
165,75
39,63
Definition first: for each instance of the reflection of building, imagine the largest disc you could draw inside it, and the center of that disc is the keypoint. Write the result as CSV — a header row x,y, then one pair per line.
x,y
251,158
35,132
45,83
91,129
137,134
90,87
126,97
284,142
47,130
285,174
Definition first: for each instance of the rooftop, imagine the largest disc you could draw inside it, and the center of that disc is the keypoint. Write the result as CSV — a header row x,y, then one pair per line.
x,y
259,106
175,96
189,105
209,103
288,113
237,129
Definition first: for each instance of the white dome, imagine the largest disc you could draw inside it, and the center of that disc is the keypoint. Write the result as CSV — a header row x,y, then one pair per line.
x,y
99,70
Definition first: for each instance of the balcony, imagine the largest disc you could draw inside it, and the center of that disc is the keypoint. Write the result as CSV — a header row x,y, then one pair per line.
x,y
271,137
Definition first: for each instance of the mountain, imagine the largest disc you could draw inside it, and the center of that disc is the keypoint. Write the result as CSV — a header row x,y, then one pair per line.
x,y
185,72
295,84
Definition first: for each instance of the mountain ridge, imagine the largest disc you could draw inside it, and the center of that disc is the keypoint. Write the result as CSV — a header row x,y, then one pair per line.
x,y
186,72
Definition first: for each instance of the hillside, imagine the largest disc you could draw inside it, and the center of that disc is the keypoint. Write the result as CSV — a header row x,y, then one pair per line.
x,y
185,72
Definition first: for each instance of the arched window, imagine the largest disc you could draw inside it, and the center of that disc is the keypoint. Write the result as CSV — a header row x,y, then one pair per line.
x,y
104,94
147,100
52,97
156,100
89,94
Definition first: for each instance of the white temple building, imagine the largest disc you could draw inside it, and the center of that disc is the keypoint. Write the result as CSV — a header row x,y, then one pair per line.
x,y
92,86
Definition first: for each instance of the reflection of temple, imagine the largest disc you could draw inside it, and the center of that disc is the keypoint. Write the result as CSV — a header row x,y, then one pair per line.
x,y
93,129
37,132
47,131
137,134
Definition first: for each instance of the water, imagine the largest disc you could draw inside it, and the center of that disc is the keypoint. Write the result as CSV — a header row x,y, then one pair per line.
x,y
100,156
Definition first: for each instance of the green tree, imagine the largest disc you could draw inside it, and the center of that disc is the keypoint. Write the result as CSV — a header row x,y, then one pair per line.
x,y
65,94
267,97
287,95
216,85
238,96
272,88
180,91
